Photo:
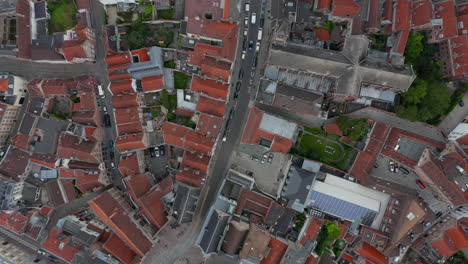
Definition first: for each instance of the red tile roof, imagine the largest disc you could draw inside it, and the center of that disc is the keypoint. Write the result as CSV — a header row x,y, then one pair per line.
x,y
131,142
112,213
4,84
118,68
333,129
462,9
14,164
120,250
197,22
190,176
312,260
312,230
387,14
17,222
402,15
324,5
142,54
458,47
197,161
400,43
88,182
367,158
277,251
345,8
61,245
83,4
127,115
130,128
211,106
152,83
121,87
129,165
23,29
46,211
210,87
253,202
72,147
198,143
322,34
421,14
72,49
69,189
215,69
54,87
127,100
452,240
368,252
119,58
152,204
87,102
252,133
347,257
375,12
138,184
174,134
446,11
209,125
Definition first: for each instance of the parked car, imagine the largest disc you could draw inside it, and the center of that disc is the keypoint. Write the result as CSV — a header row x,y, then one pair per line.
x,y
245,32
253,18
112,165
255,62
243,54
264,159
246,20
247,7
461,103
107,121
162,150
244,44
404,170
111,144
392,166
257,48
105,109
421,184
151,151
251,44
156,152
112,155
396,168
270,158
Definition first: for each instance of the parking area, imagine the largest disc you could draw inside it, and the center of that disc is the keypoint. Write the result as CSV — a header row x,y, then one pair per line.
x,y
158,165
383,172
268,174
10,253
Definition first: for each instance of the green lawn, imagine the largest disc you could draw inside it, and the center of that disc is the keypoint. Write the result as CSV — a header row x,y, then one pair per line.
x,y
166,13
180,80
62,15
325,148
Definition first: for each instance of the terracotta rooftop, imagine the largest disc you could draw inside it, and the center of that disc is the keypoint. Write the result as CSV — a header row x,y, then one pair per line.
x,y
253,202
131,142
197,161
120,250
152,83
421,14
209,125
73,147
127,100
345,8
218,70
277,252
256,243
17,222
61,245
198,143
211,106
23,29
190,176
201,15
400,43
445,10
138,184
121,87
174,134
368,252
119,58
210,87
113,215
14,163
129,165
312,230
127,115
142,54
324,5
459,45
87,102
72,49
402,15
334,129
152,204
450,241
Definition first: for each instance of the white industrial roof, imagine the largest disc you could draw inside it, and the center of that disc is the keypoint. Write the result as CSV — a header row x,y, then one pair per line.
x,y
278,126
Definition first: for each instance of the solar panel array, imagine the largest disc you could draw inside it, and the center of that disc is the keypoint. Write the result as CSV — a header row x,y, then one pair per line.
x,y
341,208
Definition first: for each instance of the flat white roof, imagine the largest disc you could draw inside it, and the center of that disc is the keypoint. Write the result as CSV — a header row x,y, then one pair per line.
x,y
278,126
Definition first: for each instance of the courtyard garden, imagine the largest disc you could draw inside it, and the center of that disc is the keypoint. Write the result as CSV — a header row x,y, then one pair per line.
x,y
62,15
181,80
355,129
318,145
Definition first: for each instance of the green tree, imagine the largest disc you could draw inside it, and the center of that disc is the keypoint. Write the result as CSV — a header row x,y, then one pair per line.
x,y
416,92
165,99
414,46
329,233
409,112
137,34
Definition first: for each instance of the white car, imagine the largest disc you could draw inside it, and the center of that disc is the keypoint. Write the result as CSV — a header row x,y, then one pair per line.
x,y
253,18
245,32
105,109
247,7
112,165
246,21
257,48
243,54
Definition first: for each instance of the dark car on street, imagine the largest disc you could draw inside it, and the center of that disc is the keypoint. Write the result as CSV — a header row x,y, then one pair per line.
x,y
162,150
404,170
107,121
251,44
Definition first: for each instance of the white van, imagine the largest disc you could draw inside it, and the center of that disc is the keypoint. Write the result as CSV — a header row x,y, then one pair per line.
x,y
253,18
100,91
247,7
260,32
